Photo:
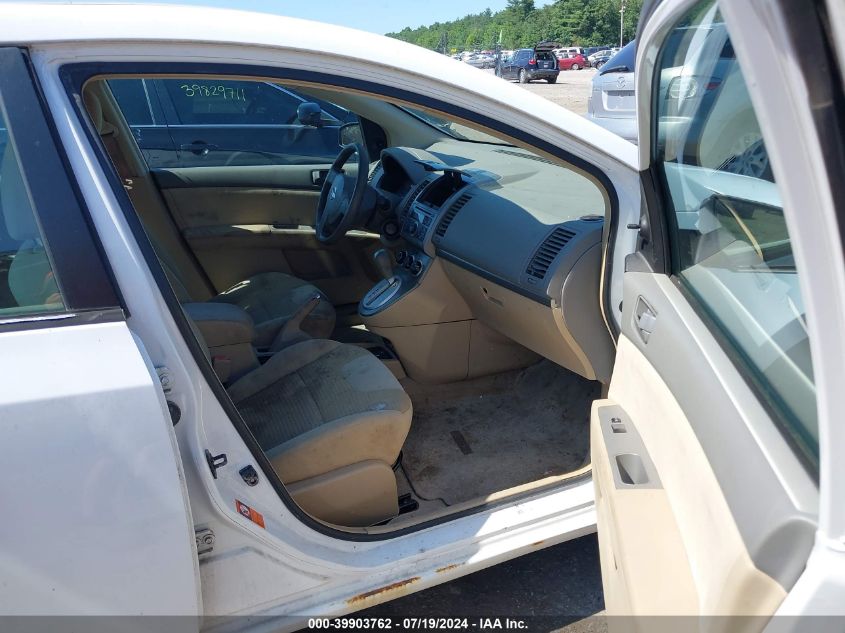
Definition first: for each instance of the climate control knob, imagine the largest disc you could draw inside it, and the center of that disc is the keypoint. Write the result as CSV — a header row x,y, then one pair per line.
x,y
416,267
413,226
401,256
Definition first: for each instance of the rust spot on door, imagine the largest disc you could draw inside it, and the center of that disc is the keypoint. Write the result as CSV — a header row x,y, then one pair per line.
x,y
391,588
537,544
440,570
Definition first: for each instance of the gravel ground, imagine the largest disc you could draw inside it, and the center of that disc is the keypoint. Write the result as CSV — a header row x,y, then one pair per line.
x,y
571,90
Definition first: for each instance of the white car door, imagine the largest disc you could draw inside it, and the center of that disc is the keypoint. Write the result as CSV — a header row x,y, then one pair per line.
x,y
706,451
96,518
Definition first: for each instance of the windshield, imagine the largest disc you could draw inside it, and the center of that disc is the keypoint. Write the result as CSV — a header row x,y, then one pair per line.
x,y
623,61
453,129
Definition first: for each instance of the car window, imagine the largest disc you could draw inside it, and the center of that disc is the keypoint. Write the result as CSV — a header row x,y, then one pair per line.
x,y
452,128
27,280
136,101
216,122
623,62
210,102
731,248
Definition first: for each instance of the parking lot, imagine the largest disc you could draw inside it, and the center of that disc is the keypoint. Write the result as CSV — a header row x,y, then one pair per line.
x,y
571,90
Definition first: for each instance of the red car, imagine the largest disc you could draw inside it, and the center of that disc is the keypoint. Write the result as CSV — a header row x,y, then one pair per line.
x,y
571,62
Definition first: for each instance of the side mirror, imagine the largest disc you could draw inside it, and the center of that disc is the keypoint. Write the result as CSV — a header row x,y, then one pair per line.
x,y
350,133
309,113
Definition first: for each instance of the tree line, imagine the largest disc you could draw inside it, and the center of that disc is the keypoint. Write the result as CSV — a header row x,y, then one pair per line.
x,y
521,24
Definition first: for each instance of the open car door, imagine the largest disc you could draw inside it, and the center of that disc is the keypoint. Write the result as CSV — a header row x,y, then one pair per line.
x,y
705,451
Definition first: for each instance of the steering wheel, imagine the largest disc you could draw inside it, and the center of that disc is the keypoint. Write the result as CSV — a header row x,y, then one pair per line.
x,y
341,196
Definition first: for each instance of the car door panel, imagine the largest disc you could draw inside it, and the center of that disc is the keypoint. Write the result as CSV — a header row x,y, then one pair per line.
x,y
95,472
712,372
729,543
241,221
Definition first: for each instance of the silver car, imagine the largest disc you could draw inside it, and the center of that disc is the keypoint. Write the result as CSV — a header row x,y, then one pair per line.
x,y
612,103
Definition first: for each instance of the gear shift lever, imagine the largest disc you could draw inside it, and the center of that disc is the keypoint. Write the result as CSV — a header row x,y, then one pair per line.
x,y
384,263
382,293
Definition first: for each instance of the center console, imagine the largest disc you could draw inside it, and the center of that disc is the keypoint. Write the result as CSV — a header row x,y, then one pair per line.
x,y
419,214
403,277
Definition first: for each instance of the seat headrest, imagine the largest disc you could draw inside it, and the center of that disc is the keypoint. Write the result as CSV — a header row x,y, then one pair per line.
x,y
95,111
15,206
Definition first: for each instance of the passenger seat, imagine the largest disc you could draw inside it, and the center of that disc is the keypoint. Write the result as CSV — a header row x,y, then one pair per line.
x,y
332,419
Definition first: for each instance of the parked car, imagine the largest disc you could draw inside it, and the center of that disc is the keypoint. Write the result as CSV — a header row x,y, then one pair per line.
x,y
481,60
592,50
554,332
571,61
571,50
597,60
528,64
612,102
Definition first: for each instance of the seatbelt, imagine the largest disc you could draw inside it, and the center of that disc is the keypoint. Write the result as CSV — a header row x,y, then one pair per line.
x,y
116,154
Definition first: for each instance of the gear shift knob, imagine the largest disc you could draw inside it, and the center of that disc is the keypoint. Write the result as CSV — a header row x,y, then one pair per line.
x,y
384,263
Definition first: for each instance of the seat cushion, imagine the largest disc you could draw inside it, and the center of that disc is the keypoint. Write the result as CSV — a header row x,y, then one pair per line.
x,y
320,405
271,299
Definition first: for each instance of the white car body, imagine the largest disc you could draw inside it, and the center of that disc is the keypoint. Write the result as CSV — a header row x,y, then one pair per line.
x,y
84,548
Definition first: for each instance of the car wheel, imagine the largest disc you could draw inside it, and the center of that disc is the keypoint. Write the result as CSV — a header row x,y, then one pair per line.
x,y
552,80
523,76
599,65
575,67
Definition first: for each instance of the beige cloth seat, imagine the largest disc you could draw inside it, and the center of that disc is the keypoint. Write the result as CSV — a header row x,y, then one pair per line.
x,y
270,298
332,419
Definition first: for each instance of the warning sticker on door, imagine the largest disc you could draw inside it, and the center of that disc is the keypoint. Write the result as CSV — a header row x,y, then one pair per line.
x,y
249,513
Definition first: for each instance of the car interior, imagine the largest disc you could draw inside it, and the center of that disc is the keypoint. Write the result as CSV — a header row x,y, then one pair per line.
x,y
410,331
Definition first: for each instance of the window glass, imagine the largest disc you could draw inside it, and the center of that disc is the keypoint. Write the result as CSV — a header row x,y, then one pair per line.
x,y
27,282
623,61
453,128
209,101
134,99
730,244
220,122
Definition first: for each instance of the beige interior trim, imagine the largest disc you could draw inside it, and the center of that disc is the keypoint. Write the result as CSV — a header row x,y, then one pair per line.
x,y
359,494
538,327
684,530
433,300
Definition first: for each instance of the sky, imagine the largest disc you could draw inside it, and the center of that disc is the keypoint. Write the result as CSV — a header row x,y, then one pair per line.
x,y
377,16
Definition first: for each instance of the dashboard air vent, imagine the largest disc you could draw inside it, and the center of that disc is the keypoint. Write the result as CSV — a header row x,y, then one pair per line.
x,y
450,214
534,157
549,249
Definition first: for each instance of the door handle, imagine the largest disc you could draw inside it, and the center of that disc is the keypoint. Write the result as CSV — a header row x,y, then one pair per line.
x,y
200,148
318,176
645,319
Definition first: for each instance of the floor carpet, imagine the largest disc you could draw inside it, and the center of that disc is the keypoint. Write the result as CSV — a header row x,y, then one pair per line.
x,y
477,437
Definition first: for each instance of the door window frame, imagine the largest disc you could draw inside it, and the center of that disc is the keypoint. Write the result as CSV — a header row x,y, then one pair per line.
x,y
658,253
82,272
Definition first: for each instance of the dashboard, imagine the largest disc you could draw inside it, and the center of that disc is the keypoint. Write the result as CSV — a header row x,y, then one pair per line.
x,y
501,215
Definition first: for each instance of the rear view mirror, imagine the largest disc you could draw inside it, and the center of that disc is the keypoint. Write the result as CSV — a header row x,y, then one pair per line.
x,y
309,113
350,133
